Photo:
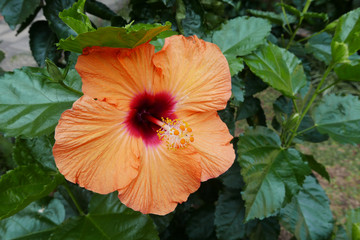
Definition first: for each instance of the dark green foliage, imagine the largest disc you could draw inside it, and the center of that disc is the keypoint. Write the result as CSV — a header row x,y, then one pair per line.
x,y
42,43
308,216
17,11
291,46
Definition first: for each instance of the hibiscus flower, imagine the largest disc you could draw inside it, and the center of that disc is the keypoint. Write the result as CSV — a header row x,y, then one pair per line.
x,y
147,124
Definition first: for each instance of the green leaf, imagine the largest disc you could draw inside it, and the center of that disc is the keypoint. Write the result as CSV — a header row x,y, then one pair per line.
x,y
82,196
162,222
29,91
200,226
236,65
322,16
21,186
316,166
237,87
227,116
339,116
28,20
240,36
347,35
75,18
2,55
291,9
320,47
253,84
267,229
352,216
16,11
272,174
114,37
348,30
51,12
99,9
340,233
248,108
36,150
312,135
279,68
36,222
232,178
272,17
356,231
349,71
339,52
308,216
230,217
107,219
42,43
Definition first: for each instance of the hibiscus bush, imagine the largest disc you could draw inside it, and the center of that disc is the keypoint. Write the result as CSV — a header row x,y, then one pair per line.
x,y
305,53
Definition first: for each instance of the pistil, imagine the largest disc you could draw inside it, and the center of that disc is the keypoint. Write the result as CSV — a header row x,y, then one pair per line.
x,y
176,133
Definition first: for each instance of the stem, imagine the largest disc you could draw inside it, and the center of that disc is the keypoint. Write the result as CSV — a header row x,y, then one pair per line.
x,y
69,88
311,36
333,84
73,198
286,19
305,130
295,105
306,7
307,108
180,15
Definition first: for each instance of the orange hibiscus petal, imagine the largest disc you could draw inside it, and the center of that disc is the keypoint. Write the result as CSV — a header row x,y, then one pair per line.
x,y
212,140
166,178
194,71
116,74
92,147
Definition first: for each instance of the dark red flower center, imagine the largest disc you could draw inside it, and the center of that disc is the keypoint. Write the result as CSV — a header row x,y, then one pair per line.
x,y
160,105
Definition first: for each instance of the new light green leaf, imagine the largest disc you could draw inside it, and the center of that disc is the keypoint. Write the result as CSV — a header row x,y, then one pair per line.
x,y
349,71
124,37
75,18
308,216
107,219
25,184
35,222
339,116
352,217
279,68
272,174
239,37
347,36
31,103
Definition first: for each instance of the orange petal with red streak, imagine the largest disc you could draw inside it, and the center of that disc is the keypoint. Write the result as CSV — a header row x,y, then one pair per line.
x,y
92,147
212,141
194,71
117,74
166,178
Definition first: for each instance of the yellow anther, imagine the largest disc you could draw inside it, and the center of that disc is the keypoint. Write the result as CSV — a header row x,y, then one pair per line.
x,y
176,133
